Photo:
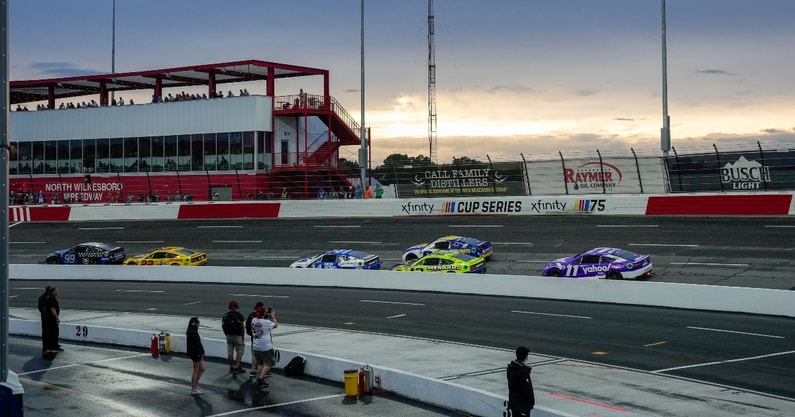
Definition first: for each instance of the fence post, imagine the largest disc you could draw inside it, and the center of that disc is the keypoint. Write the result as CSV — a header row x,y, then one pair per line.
x,y
526,175
717,155
563,164
602,169
637,168
762,158
493,183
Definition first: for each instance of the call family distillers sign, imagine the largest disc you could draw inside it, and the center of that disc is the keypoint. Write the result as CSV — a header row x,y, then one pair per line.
x,y
463,181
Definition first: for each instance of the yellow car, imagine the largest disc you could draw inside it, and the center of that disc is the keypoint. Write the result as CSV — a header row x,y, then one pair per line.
x,y
454,262
169,255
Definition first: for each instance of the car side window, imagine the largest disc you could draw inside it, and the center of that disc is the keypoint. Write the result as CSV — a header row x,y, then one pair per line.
x,y
80,249
442,245
445,262
156,255
431,261
607,259
589,259
328,258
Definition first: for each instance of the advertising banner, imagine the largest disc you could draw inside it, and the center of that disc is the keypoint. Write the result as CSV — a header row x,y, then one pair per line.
x,y
732,171
498,179
591,176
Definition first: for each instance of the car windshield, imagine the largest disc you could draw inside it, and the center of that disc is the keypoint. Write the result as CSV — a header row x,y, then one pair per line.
x,y
626,254
470,240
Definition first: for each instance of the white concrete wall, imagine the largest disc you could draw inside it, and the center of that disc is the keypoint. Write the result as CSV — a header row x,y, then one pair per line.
x,y
658,294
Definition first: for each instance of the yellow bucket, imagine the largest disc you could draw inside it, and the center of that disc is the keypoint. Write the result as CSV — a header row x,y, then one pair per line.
x,y
351,382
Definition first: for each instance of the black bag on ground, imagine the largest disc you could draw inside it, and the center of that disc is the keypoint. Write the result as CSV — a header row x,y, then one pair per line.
x,y
295,367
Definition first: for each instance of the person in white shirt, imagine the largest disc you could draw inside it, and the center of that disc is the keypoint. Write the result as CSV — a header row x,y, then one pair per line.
x,y
261,327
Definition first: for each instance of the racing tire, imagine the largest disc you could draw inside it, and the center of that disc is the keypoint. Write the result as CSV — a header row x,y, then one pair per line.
x,y
615,275
174,265
132,263
85,261
554,273
410,257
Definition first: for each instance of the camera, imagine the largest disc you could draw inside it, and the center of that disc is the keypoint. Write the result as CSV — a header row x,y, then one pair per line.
x,y
269,313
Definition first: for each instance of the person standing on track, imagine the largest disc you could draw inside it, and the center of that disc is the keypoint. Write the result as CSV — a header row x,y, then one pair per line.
x,y
51,321
233,325
521,398
261,327
195,351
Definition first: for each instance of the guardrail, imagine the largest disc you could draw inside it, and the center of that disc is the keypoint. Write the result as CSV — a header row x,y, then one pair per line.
x,y
716,204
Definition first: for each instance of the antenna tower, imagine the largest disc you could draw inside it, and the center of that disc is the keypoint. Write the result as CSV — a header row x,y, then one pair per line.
x,y
431,86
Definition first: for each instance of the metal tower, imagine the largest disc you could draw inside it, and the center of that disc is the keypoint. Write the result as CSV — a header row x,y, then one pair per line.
x,y
431,87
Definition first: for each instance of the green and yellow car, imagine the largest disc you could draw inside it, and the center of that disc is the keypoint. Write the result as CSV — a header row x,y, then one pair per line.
x,y
453,262
169,255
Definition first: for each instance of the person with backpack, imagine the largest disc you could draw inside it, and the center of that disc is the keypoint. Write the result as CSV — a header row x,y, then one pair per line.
x,y
233,324
251,316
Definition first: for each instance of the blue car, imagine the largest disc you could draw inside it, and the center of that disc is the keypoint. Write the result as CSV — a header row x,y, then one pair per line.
x,y
610,263
340,259
88,253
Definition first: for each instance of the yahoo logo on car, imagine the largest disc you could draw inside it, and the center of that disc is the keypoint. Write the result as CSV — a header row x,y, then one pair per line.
x,y
595,268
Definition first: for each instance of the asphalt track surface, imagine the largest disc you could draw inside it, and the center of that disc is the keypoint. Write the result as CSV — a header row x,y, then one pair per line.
x,y
745,351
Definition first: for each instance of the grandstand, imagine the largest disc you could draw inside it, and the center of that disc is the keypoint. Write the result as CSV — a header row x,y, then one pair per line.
x,y
75,139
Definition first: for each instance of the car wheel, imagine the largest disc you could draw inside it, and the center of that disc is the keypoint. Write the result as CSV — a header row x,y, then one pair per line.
x,y
131,263
614,275
410,257
175,264
85,261
554,273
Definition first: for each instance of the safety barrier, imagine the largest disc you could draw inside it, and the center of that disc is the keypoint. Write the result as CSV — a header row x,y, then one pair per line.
x,y
717,204
658,294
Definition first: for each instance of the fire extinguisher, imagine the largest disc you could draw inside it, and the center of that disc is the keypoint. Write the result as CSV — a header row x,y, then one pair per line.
x,y
162,341
154,348
361,381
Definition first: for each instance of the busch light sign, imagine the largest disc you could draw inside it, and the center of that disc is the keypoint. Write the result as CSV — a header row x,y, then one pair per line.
x,y
744,174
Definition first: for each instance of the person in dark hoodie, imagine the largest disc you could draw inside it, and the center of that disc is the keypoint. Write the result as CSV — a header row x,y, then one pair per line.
x,y
195,351
520,389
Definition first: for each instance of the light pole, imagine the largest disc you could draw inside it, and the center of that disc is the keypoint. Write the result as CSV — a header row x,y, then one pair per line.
x,y
113,50
363,134
665,132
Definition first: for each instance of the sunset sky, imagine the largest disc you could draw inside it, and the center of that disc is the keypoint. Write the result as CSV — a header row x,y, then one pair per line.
x,y
514,77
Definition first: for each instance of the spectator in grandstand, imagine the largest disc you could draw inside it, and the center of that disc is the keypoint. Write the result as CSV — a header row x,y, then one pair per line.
x,y
260,194
379,190
321,194
368,193
358,193
177,196
121,101
285,194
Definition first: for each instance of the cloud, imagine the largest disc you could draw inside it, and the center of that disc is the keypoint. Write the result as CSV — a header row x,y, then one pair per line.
x,y
714,71
624,119
511,88
585,92
60,69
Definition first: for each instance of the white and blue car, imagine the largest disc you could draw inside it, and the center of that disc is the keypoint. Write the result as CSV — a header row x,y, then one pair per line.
x,y
340,259
447,244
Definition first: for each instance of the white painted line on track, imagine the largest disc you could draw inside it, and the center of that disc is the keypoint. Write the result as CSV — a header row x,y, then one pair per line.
x,y
101,228
628,225
265,407
237,241
522,261
258,295
475,225
550,314
72,365
735,332
674,245
696,365
708,264
513,243
360,242
139,241
219,227
146,291
338,226
783,226
27,288
391,302
27,243
396,316
273,257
